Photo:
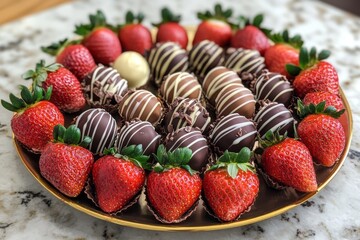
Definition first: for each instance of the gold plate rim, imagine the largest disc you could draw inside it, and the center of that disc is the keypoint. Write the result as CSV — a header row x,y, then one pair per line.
x,y
241,222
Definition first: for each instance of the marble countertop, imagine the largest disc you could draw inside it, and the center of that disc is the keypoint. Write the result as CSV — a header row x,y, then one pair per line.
x,y
29,211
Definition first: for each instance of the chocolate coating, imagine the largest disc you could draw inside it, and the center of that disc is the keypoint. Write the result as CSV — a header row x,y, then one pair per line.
x,y
244,60
232,133
193,139
141,104
204,56
235,98
187,112
274,116
100,126
138,132
167,58
133,67
216,80
180,84
104,87
273,87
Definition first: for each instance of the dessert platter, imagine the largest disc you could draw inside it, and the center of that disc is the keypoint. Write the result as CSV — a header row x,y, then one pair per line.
x,y
179,128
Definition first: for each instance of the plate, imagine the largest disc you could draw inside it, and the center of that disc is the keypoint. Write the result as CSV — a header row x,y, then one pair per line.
x,y
269,203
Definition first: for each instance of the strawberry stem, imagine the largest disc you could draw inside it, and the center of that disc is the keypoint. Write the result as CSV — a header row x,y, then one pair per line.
x,y
70,135
233,162
133,153
27,98
219,14
305,110
307,59
96,20
166,160
284,37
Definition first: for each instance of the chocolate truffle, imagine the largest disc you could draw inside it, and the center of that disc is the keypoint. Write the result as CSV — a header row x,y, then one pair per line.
x,y
235,98
187,112
204,56
134,68
232,133
274,116
273,87
244,60
167,58
180,84
141,104
216,80
192,139
100,126
104,88
138,132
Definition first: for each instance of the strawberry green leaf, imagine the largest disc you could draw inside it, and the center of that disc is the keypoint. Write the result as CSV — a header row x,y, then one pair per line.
x,y
189,169
320,107
58,133
28,74
26,95
8,106
72,135
244,155
232,170
303,58
293,70
324,54
258,20
158,168
16,102
129,17
55,48
313,53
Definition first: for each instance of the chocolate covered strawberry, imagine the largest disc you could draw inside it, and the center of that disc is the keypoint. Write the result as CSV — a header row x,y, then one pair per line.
x,y
250,35
173,188
65,162
284,51
66,89
118,178
329,98
34,118
231,186
321,132
100,39
288,161
214,26
313,73
170,30
73,56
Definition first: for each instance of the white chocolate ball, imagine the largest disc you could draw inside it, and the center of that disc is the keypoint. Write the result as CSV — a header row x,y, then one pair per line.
x,y
133,67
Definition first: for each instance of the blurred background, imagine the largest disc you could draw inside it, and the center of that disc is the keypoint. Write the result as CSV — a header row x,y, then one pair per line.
x,y
11,10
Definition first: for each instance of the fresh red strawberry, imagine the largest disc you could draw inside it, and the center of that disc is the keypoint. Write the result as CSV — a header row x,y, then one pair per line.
x,y
118,178
173,187
35,117
321,132
329,98
101,41
72,56
66,88
169,29
231,186
251,36
285,51
314,74
289,162
214,27
65,162
133,35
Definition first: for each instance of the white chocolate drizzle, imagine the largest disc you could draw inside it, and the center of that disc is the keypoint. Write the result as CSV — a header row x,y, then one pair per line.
x,y
167,58
245,60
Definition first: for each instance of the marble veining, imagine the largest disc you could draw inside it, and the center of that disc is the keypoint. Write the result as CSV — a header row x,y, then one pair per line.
x,y
334,213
